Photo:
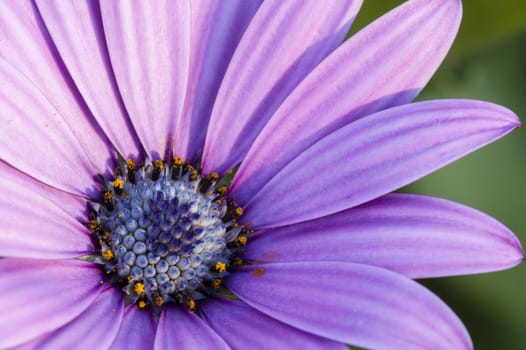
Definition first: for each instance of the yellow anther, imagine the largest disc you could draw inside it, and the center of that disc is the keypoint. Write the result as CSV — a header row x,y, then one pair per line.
x,y
242,240
108,197
139,288
216,283
238,211
190,303
107,254
142,304
131,164
178,161
158,164
222,190
194,175
220,266
158,300
95,226
118,183
213,177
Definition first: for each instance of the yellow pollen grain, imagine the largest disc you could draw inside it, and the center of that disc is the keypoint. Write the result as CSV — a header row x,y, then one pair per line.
x,y
178,161
95,226
131,164
118,183
158,300
108,196
216,283
142,304
213,177
220,266
222,190
139,288
159,164
107,254
190,303
238,211
242,240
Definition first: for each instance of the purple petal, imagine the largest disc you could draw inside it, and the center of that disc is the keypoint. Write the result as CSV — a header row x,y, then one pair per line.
x,y
102,319
384,65
357,304
216,28
35,139
180,329
27,47
76,30
149,50
283,43
43,295
74,206
376,155
417,236
34,224
243,327
137,330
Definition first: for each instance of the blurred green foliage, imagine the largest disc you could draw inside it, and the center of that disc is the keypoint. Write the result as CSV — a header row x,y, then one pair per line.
x,y
487,62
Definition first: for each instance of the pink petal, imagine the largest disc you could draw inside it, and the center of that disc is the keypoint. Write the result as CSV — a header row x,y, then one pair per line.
x,y
384,65
76,30
376,155
417,236
27,47
216,28
43,295
148,44
137,331
282,44
35,224
356,304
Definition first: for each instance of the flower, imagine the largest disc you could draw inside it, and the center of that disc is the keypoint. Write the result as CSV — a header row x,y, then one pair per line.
x,y
121,122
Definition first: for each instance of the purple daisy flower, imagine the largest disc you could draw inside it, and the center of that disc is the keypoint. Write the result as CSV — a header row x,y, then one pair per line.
x,y
124,226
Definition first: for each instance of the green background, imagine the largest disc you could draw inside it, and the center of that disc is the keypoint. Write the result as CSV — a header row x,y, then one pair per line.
x,y
487,62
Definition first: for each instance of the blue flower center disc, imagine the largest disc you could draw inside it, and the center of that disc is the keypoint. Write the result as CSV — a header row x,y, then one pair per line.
x,y
166,233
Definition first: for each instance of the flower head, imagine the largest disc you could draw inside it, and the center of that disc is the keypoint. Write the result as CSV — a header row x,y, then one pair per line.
x,y
206,174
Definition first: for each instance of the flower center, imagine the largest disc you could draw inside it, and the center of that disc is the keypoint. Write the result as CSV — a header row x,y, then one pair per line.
x,y
165,233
